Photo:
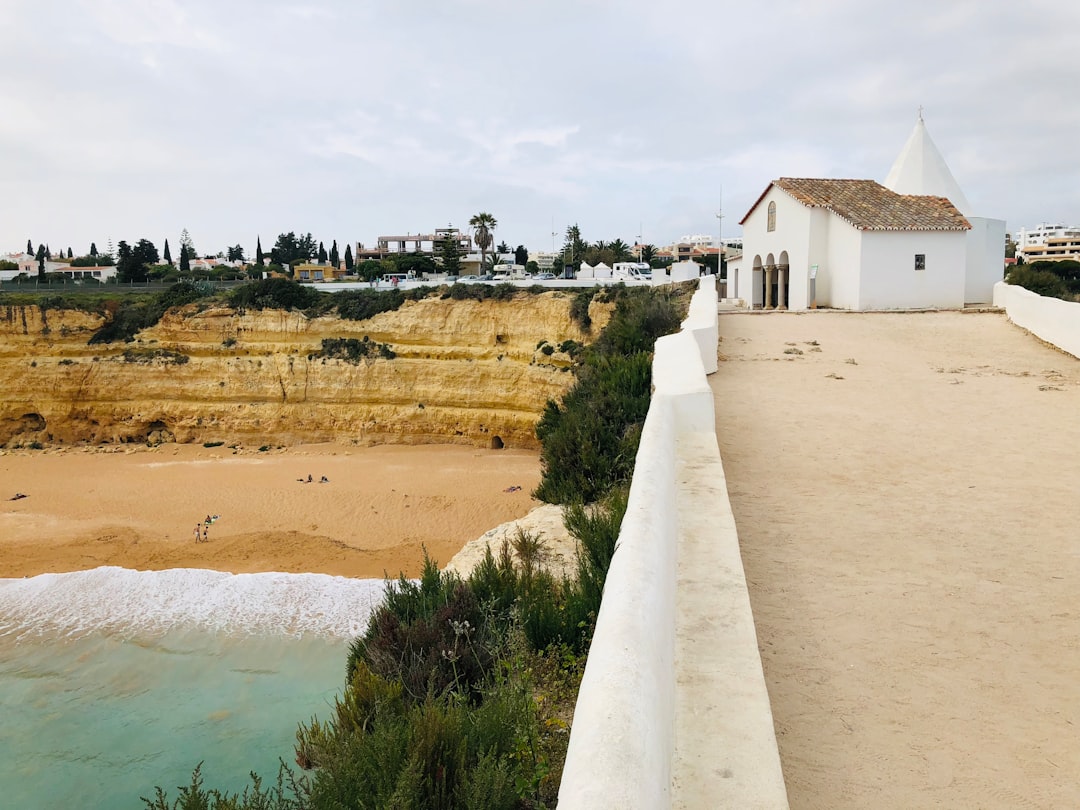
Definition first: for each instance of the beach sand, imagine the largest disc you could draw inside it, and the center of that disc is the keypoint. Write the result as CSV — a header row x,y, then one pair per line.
x,y
137,507
905,490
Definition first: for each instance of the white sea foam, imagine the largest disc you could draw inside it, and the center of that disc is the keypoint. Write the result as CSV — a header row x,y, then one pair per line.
x,y
121,600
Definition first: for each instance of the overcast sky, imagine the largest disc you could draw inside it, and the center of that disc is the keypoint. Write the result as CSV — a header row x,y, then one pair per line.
x,y
125,119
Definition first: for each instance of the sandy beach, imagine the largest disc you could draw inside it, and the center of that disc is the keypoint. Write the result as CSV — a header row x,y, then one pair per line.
x,y
905,488
137,507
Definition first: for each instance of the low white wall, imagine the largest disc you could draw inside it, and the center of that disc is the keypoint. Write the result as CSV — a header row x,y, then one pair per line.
x,y
1049,319
703,320
623,749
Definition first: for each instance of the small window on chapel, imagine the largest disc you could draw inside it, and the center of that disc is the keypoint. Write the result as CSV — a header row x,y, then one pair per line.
x,y
920,261
772,216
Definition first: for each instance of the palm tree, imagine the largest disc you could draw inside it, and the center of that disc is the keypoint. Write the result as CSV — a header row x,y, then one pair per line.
x,y
482,224
620,251
648,253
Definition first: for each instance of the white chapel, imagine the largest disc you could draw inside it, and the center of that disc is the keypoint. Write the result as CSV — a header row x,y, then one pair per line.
x,y
912,242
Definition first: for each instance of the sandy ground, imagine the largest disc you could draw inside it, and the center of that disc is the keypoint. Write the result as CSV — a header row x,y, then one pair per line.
x,y
906,497
137,508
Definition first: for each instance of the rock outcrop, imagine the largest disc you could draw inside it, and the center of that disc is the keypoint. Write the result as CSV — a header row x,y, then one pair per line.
x,y
470,372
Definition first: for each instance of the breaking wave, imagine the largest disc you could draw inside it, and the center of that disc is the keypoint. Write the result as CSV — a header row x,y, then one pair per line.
x,y
123,601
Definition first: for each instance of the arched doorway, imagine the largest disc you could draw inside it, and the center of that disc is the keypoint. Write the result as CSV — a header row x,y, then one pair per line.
x,y
783,280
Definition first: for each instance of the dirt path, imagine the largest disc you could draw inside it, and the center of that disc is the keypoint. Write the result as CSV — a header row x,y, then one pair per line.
x,y
907,493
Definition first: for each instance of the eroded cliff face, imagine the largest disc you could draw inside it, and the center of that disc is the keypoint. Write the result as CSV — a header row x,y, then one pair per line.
x,y
470,372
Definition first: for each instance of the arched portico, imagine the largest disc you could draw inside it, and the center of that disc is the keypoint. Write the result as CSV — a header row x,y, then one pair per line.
x,y
774,281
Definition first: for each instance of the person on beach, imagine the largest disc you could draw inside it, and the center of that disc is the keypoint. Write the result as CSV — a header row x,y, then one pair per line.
x,y
196,532
206,533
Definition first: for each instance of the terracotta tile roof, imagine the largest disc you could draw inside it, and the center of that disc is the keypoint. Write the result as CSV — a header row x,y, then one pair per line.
x,y
869,206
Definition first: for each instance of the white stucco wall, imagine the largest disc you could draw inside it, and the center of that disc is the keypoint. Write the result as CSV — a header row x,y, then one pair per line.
x,y
642,737
791,235
1050,319
842,263
702,321
985,259
889,279
677,271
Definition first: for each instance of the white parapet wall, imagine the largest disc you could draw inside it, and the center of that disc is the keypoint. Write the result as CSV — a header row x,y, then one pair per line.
x,y
1050,319
651,731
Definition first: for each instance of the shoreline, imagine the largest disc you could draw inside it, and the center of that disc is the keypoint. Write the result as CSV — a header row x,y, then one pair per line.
x,y
136,507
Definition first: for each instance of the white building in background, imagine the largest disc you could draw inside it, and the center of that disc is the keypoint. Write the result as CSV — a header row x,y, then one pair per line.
x,y
857,244
545,260
1045,241
1054,249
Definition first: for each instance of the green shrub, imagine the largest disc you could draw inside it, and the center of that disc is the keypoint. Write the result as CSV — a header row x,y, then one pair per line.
x,y
430,635
352,350
275,293
503,292
359,305
213,444
589,440
147,356
130,315
1040,282
579,308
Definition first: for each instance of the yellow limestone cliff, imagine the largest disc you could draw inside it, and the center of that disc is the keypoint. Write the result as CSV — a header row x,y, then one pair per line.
x,y
470,372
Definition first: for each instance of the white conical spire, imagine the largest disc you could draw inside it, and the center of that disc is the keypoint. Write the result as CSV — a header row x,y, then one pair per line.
x,y
920,169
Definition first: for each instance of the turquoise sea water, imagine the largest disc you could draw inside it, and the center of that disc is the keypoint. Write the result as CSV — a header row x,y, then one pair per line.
x,y
114,681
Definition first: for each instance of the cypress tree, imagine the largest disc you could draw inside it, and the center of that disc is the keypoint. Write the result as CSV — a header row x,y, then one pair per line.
x,y
258,251
348,257
70,254
167,254
93,249
29,247
322,254
335,259
40,256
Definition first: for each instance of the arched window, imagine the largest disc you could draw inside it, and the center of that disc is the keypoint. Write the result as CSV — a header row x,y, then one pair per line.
x,y
772,216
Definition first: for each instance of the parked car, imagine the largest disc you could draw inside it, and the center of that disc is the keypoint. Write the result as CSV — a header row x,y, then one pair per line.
x,y
486,277
544,276
468,278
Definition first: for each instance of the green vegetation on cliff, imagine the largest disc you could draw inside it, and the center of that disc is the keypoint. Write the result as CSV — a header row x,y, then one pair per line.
x,y
460,692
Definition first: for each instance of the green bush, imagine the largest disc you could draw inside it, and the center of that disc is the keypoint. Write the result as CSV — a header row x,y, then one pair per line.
x,y
148,356
275,293
359,305
130,315
579,308
589,440
430,635
352,350
1040,282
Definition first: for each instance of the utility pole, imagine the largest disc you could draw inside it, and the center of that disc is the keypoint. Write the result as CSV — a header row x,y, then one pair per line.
x,y
720,226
